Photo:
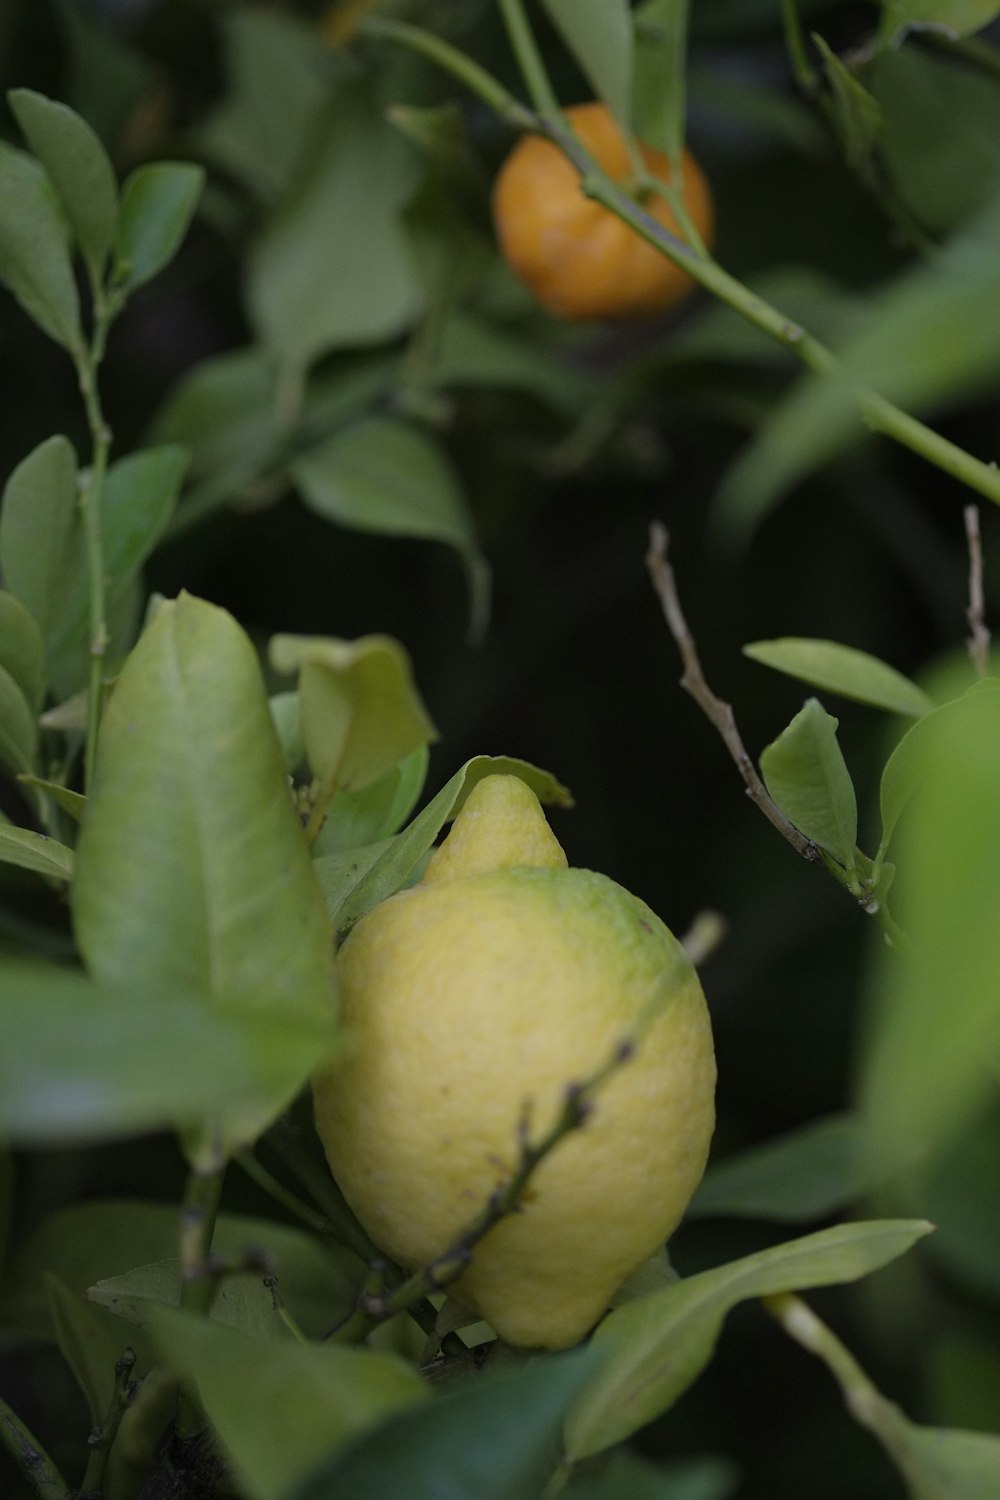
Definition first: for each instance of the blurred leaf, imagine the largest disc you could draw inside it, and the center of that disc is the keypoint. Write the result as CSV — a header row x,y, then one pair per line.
x,y
627,1475
375,878
78,167
158,203
224,412
332,268
287,721
907,766
926,343
106,77
935,1031
655,1347
387,476
278,81
76,1062
805,773
661,73
361,710
88,1345
844,670
856,114
192,871
962,1370
599,35
324,1394
940,144
88,1242
493,1437
472,353
35,262
18,726
22,649
70,802
957,18
240,1300
808,1174
364,817
34,851
961,1192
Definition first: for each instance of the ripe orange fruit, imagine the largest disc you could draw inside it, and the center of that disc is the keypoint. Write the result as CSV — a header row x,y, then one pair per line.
x,y
575,256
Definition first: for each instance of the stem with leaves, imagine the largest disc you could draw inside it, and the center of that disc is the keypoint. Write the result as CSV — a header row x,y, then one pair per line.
x,y
102,1437
879,414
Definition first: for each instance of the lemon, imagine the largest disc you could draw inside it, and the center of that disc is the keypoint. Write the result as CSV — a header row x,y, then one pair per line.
x,y
472,1001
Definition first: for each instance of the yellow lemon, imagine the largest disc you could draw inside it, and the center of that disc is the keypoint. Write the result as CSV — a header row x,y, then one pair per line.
x,y
473,1001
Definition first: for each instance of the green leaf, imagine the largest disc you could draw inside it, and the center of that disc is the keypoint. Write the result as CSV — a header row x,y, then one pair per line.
x,y
387,476
361,711
88,1345
925,344
18,727
76,1063
35,851
599,35
39,536
908,765
957,18
71,802
844,670
192,870
382,869
224,412
687,1479
856,114
324,1394
493,1437
333,269
961,1192
805,774
935,1033
287,720
659,88
471,353
158,203
356,819
94,1241
35,260
655,1347
278,81
78,167
105,77
22,649
240,1300
809,1174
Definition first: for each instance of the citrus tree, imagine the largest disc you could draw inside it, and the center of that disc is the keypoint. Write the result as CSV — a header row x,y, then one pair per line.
x,y
342,1150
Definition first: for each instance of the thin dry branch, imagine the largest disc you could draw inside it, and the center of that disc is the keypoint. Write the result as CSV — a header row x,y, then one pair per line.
x,y
979,638
693,681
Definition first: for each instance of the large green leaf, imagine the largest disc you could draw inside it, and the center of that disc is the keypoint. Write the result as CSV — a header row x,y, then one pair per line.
x,y
491,1438
102,1239
934,1044
83,1060
844,670
22,649
805,773
656,1346
192,870
660,72
39,536
280,1408
35,261
158,204
599,35
366,877
79,168
809,1174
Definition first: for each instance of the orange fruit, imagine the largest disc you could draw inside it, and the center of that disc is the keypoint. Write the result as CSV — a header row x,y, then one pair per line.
x,y
577,258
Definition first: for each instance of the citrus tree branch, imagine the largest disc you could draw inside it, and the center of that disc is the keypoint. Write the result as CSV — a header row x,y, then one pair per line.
x,y
715,710
41,1474
979,635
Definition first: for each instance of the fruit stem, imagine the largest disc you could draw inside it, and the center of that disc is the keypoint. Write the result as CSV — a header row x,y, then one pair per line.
x,y
529,60
476,79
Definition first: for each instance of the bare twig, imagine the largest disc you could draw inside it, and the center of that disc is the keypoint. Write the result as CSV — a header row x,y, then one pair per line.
x,y
979,639
716,711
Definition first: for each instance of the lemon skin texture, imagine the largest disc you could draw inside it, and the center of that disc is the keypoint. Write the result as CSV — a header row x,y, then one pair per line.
x,y
471,1002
